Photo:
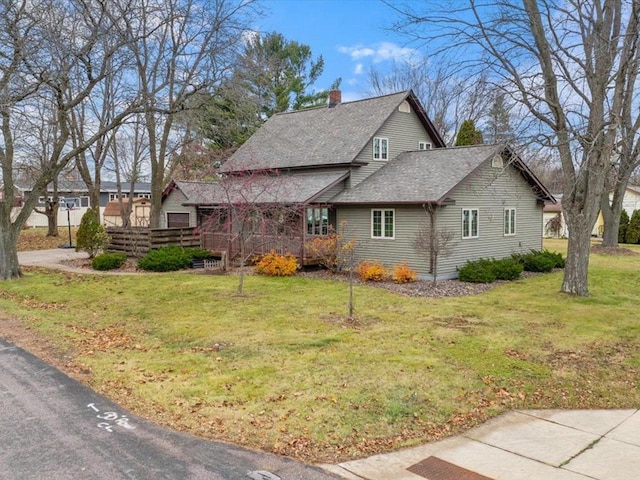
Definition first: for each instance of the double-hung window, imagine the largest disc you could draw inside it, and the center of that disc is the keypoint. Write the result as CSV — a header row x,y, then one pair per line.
x,y
380,148
509,221
383,223
424,146
470,219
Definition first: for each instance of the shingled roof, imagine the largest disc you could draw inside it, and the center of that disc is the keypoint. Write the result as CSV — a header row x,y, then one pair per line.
x,y
430,176
322,136
259,188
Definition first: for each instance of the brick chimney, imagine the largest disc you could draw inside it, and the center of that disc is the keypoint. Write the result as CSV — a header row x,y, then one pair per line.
x,y
335,98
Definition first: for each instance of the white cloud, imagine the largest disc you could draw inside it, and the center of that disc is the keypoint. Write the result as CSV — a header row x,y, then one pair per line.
x,y
380,52
358,70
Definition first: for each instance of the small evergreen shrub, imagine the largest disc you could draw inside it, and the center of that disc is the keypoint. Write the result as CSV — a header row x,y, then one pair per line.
x,y
535,261
165,259
274,265
478,271
91,236
402,273
108,261
506,269
199,253
633,230
624,226
371,271
558,260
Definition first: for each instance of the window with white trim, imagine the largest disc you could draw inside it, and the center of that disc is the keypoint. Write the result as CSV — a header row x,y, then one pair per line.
x,y
143,195
383,223
509,221
114,196
380,148
317,221
470,220
424,145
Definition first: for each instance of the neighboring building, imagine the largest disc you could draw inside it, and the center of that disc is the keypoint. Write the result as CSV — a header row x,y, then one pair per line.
x,y
381,166
553,224
74,194
138,217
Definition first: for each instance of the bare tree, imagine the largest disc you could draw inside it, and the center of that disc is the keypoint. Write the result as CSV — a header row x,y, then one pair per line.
x,y
179,48
447,97
569,64
433,241
61,52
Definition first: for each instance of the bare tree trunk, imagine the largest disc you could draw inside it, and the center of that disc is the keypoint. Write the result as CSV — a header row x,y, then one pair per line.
x,y
51,211
611,215
577,264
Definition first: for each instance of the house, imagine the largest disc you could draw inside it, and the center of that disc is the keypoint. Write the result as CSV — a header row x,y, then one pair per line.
x,y
630,203
74,200
380,167
138,216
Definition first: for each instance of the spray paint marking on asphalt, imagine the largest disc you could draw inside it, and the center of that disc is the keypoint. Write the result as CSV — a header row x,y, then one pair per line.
x,y
110,420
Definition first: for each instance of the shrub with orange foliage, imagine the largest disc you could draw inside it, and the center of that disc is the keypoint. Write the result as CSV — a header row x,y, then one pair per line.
x,y
274,265
371,271
402,273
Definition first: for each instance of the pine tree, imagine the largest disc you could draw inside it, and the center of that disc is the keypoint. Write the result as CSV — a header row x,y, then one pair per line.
x,y
468,134
624,226
499,122
91,236
633,231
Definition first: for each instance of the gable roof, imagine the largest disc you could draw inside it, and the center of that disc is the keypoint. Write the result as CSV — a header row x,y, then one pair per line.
x,y
258,188
431,176
322,136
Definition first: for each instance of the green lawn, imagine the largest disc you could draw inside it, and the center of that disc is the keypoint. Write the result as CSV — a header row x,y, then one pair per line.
x,y
284,370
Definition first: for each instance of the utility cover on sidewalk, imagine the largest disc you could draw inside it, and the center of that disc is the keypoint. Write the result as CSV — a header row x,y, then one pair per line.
x,y
435,469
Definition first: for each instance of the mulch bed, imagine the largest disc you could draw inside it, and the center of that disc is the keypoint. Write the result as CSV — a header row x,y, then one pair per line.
x,y
614,251
421,288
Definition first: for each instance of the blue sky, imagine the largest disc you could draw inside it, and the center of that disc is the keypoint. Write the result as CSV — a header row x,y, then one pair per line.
x,y
351,36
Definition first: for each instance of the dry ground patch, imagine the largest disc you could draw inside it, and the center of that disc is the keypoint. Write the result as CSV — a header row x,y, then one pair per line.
x,y
284,370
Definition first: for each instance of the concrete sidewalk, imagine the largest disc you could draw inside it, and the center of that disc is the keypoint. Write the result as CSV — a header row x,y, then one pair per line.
x,y
520,445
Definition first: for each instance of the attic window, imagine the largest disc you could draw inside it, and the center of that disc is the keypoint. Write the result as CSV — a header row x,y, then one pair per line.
x,y
496,162
424,146
380,148
404,107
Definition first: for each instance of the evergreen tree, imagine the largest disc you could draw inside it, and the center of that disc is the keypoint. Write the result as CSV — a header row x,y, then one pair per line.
x,y
91,236
633,231
499,122
624,226
468,134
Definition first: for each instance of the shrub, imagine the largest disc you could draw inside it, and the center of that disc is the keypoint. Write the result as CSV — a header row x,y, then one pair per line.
x,y
91,236
535,261
274,265
165,259
633,230
506,269
333,251
624,225
403,274
199,253
371,271
557,258
108,261
478,271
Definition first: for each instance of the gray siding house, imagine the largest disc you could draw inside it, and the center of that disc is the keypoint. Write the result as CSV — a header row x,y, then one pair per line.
x,y
380,166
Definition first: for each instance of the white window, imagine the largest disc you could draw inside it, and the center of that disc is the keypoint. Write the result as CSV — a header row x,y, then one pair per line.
x,y
383,223
84,202
470,223
144,195
114,196
380,148
424,146
509,221
317,221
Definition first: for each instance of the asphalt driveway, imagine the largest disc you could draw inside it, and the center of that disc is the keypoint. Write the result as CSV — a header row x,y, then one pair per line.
x,y
53,427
